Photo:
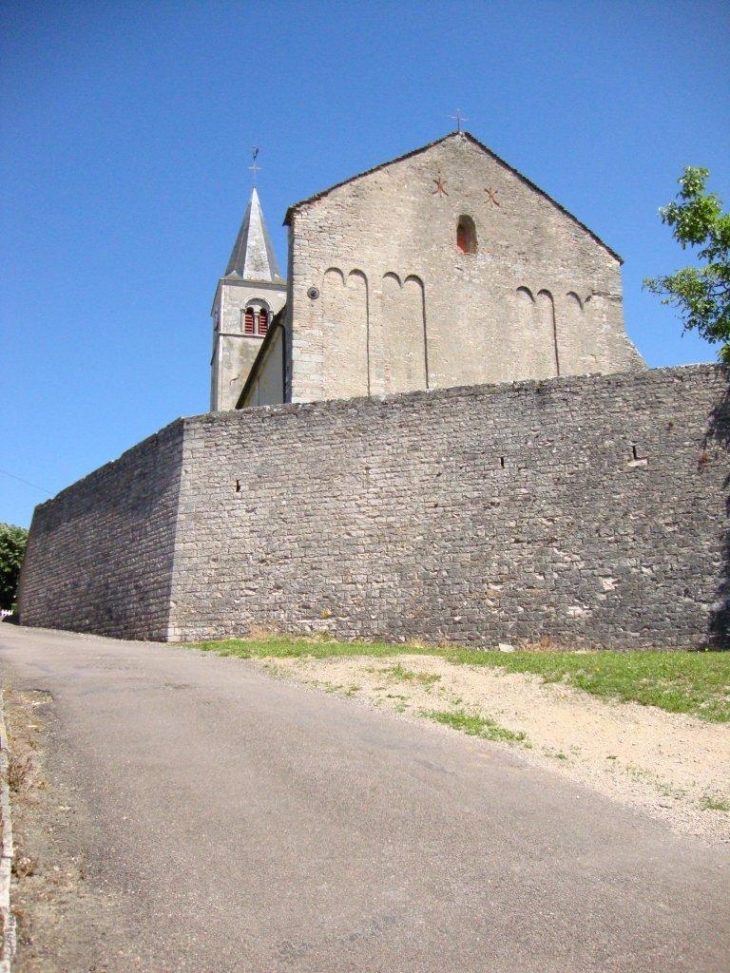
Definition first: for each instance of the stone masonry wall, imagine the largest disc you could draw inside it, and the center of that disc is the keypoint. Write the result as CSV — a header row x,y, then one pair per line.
x,y
234,352
100,554
588,511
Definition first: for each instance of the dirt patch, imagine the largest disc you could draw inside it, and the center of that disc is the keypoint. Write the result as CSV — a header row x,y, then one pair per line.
x,y
674,767
65,922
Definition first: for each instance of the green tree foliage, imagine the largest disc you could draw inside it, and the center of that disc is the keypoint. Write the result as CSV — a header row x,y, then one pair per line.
x,y
12,548
702,292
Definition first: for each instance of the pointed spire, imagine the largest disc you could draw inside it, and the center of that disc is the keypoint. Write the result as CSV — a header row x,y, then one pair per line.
x,y
253,256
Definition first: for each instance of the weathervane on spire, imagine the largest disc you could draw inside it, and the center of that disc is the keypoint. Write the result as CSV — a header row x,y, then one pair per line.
x,y
254,168
459,119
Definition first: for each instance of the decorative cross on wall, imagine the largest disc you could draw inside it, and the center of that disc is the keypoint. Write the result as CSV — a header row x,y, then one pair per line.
x,y
440,186
492,196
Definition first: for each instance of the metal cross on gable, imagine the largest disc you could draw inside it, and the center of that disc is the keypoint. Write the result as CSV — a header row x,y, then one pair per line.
x,y
459,118
254,168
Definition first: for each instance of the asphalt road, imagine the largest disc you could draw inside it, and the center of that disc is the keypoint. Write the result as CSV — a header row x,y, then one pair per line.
x,y
237,824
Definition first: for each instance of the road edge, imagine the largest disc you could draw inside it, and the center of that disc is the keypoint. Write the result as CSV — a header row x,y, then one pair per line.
x,y
8,849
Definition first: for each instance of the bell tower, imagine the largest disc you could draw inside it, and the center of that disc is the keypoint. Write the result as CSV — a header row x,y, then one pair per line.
x,y
248,296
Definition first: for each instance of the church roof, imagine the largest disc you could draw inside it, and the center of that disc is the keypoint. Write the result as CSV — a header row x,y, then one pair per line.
x,y
424,148
253,256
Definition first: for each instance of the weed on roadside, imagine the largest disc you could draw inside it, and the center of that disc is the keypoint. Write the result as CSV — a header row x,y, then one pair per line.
x,y
20,772
474,725
408,675
643,776
24,866
555,754
710,803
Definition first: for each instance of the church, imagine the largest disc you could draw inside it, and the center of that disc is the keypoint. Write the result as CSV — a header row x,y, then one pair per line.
x,y
455,442
445,267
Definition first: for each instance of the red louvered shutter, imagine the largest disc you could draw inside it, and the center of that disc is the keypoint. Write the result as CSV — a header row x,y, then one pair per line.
x,y
248,321
263,321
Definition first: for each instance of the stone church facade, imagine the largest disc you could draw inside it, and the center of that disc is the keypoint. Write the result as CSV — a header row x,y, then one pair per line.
x,y
443,268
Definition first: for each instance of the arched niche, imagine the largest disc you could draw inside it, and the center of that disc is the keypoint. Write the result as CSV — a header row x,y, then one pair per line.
x,y
466,234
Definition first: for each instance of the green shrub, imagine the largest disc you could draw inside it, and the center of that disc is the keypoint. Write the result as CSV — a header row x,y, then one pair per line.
x,y
12,549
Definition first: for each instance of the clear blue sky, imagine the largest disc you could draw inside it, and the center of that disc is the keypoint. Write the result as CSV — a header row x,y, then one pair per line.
x,y
126,135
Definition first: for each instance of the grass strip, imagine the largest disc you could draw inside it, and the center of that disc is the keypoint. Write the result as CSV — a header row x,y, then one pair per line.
x,y
474,726
696,683
280,647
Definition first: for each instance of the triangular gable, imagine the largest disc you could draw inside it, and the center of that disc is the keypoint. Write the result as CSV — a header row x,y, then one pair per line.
x,y
425,148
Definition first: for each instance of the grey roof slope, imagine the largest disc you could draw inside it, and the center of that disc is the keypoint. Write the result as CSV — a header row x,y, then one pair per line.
x,y
424,148
253,256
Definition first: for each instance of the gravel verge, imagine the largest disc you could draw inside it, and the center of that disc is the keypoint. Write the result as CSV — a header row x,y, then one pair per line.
x,y
673,767
7,945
